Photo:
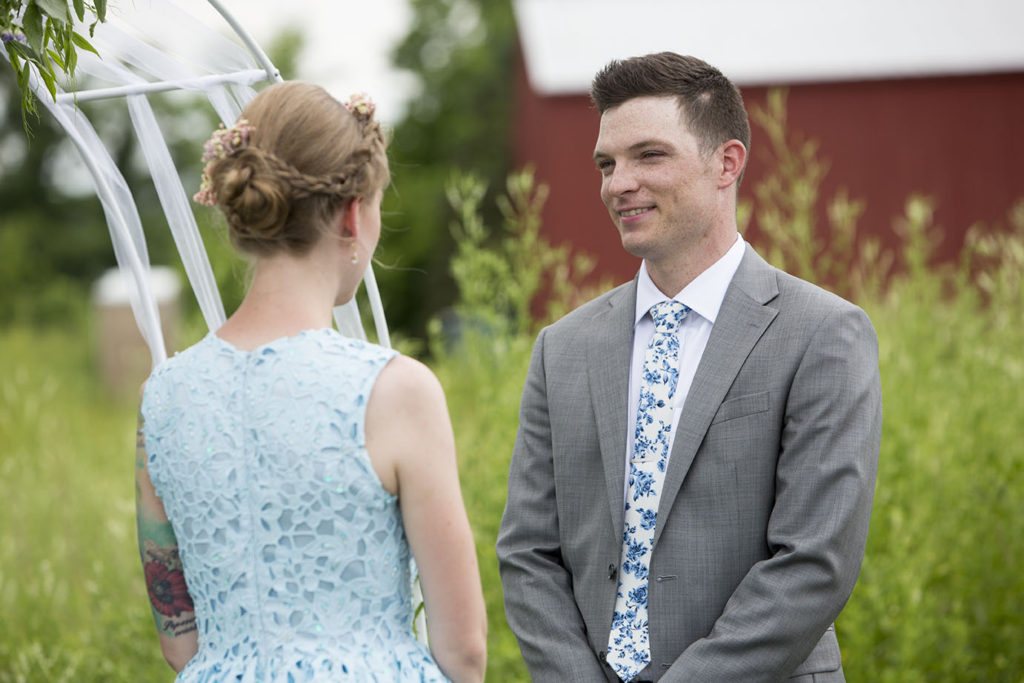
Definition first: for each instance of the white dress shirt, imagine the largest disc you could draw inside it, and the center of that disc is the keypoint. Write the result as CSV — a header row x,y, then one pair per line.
x,y
704,296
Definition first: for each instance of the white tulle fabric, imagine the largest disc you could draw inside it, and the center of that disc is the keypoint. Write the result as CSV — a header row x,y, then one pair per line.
x,y
294,554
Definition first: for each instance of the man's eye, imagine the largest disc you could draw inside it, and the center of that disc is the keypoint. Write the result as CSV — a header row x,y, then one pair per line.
x,y
650,154
604,165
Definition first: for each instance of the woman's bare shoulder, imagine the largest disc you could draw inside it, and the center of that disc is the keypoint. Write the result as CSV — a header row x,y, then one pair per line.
x,y
406,383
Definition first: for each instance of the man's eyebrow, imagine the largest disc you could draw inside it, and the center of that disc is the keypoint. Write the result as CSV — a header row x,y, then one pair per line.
x,y
650,142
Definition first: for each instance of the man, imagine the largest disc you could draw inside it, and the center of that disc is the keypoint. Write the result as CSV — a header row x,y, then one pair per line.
x,y
691,484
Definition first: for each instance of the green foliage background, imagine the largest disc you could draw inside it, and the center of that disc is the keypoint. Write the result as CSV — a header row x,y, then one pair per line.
x,y
462,54
941,596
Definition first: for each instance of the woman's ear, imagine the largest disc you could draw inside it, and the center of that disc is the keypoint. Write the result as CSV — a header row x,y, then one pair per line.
x,y
348,219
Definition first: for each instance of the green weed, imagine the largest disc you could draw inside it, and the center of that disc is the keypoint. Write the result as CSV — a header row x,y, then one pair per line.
x,y
940,597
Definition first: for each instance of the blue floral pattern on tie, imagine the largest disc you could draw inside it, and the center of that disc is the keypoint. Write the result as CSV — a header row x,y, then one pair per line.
x,y
629,642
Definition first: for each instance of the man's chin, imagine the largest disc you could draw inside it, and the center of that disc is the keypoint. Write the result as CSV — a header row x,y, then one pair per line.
x,y
634,247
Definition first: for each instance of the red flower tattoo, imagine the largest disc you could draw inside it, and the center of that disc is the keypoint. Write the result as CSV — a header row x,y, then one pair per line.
x,y
167,590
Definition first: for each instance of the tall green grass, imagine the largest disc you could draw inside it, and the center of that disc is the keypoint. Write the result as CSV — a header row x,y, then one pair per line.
x,y
72,602
483,384
482,365
941,593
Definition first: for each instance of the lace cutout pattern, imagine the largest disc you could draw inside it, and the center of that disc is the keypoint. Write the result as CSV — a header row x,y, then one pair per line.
x,y
294,554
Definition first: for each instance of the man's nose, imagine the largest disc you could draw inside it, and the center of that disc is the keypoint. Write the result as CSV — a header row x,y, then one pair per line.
x,y
620,181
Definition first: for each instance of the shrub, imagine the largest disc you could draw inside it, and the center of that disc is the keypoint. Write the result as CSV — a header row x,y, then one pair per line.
x,y
502,277
940,595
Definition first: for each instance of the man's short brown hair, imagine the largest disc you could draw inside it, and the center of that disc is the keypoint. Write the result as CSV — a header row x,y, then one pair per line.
x,y
711,104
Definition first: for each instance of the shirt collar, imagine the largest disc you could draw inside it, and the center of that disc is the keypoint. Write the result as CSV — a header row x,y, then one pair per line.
x,y
705,293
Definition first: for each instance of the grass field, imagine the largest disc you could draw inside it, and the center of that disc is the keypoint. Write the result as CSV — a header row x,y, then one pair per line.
x,y
941,593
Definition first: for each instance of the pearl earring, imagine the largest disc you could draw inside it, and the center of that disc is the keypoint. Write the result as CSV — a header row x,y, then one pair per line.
x,y
355,254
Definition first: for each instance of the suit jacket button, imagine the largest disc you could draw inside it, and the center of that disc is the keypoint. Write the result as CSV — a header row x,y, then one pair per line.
x,y
612,571
602,655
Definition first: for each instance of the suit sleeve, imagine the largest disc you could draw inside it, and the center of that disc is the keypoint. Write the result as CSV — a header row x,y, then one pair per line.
x,y
817,530
539,602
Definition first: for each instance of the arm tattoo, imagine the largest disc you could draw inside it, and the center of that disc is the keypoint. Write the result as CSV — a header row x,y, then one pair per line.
x,y
173,610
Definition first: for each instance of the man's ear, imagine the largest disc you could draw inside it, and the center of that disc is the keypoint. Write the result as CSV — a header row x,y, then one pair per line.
x,y
734,158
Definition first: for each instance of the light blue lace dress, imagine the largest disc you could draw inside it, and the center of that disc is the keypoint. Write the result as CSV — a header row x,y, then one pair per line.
x,y
294,554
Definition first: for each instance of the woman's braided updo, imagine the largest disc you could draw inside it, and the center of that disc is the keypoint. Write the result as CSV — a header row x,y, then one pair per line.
x,y
306,156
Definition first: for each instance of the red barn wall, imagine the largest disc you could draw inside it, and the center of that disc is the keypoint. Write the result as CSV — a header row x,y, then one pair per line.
x,y
956,139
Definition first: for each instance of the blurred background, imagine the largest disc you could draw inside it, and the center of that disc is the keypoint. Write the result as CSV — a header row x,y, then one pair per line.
x,y
885,165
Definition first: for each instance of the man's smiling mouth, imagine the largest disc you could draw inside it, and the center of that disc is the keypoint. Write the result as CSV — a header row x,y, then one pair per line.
x,y
635,212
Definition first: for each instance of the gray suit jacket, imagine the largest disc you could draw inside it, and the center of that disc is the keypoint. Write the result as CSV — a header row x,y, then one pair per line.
x,y
764,511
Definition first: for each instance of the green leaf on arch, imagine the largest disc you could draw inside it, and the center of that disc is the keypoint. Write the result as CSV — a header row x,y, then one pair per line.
x,y
32,25
82,43
55,9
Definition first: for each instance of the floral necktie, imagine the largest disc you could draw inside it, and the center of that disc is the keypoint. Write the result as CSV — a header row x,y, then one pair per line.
x,y
628,644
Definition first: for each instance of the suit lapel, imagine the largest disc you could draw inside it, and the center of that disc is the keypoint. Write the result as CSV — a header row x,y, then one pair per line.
x,y
608,361
741,321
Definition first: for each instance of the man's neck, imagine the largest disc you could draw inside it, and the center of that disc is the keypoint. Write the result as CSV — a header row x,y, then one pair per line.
x,y
671,275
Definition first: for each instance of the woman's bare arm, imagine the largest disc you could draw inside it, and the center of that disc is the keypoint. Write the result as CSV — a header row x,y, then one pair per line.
x,y
410,441
173,612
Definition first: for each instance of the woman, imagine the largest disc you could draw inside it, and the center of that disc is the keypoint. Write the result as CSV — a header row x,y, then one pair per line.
x,y
285,471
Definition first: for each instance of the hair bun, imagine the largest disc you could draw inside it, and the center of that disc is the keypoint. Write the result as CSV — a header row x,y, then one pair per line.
x,y
255,200
282,172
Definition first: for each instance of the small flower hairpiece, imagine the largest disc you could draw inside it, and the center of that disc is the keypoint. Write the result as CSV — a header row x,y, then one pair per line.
x,y
221,144
361,106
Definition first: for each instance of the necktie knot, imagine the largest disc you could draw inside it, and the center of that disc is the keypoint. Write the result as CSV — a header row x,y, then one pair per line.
x,y
668,315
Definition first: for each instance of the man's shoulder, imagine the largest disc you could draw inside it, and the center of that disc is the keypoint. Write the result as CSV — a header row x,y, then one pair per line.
x,y
805,305
791,289
814,294
798,303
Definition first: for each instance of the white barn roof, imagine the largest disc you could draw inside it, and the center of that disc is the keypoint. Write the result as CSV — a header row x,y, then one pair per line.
x,y
757,42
